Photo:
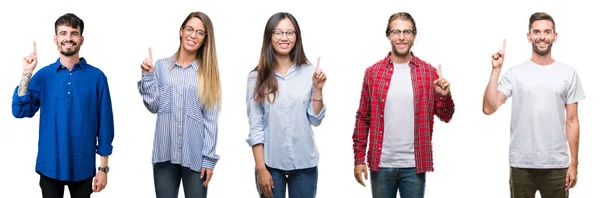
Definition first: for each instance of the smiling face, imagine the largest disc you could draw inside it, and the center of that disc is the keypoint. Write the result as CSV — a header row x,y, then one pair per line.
x,y
283,39
68,40
192,35
542,36
401,36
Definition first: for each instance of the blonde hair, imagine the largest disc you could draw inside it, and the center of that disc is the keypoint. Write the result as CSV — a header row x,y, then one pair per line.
x,y
209,82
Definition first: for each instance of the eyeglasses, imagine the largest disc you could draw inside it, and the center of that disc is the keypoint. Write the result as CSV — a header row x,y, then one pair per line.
x,y
279,34
189,30
396,33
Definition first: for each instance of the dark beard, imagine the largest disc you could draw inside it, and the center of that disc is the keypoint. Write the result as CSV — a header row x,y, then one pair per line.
x,y
68,53
397,53
542,52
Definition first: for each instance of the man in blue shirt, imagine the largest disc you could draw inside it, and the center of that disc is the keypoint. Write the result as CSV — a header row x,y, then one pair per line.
x,y
76,120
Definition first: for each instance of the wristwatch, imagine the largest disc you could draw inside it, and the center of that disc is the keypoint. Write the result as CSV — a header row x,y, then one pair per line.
x,y
103,169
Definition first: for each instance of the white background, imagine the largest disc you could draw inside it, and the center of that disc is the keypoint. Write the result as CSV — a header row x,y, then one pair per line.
x,y
470,153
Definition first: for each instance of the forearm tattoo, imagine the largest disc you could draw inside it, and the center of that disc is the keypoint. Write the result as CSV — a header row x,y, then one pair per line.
x,y
24,83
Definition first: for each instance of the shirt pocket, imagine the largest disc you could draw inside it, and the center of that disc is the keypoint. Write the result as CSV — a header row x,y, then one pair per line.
x,y
165,103
194,108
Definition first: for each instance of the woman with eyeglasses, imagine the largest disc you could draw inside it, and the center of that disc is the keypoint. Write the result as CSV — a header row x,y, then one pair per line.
x,y
284,99
184,90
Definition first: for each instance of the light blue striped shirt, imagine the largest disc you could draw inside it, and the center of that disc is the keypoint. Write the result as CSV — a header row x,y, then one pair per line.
x,y
284,127
186,132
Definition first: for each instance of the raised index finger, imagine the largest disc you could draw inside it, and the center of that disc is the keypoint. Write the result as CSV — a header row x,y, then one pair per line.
x,y
150,53
439,70
318,62
34,48
504,45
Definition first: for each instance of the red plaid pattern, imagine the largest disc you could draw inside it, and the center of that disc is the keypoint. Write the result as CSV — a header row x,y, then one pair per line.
x,y
369,117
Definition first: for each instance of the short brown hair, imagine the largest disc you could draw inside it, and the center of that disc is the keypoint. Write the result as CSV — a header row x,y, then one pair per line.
x,y
402,16
541,16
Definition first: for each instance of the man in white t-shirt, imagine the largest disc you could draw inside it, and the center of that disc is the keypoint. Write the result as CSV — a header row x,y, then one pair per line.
x,y
544,142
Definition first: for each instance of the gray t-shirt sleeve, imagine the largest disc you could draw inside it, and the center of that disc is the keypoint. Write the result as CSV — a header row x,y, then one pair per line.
x,y
575,90
505,84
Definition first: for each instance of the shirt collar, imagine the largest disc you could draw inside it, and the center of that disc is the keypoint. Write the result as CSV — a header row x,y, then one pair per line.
x,y
194,64
292,69
412,63
82,64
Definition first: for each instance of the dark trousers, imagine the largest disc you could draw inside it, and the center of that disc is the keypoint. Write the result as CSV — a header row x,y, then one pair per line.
x,y
525,182
52,188
300,183
168,177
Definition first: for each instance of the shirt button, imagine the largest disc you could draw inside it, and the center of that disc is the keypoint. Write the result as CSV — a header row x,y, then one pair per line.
x,y
70,74
179,94
381,116
69,83
382,100
180,148
179,108
69,92
391,69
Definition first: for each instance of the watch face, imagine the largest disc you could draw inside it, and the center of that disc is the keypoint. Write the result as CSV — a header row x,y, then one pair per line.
x,y
104,169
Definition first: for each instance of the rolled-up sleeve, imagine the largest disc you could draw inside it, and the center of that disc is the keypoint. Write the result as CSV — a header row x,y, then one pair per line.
x,y
255,113
26,106
107,129
315,120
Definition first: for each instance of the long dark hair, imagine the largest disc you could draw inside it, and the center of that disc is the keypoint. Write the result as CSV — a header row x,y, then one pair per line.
x,y
266,83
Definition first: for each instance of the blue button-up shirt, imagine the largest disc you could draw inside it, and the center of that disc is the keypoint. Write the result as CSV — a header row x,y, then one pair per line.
x,y
284,127
186,131
76,120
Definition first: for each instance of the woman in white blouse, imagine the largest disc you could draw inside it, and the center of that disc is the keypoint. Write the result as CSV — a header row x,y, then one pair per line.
x,y
284,100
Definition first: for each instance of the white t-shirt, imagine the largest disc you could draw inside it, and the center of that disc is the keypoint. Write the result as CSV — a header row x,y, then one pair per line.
x,y
538,129
399,129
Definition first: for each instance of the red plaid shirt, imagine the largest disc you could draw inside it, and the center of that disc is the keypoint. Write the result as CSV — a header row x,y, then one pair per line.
x,y
369,117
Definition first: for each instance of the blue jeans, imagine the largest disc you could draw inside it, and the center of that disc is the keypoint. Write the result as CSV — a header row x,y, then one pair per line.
x,y
167,178
302,183
388,181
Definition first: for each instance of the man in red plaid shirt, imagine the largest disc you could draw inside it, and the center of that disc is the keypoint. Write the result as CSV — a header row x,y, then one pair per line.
x,y
400,95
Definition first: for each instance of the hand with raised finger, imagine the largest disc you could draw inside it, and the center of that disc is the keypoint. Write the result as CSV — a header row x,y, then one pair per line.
x,y
498,57
30,61
442,86
319,76
148,66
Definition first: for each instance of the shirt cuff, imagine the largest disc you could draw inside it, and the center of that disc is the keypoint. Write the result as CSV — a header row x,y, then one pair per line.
x,y
209,163
444,98
254,140
24,99
321,114
147,76
104,150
